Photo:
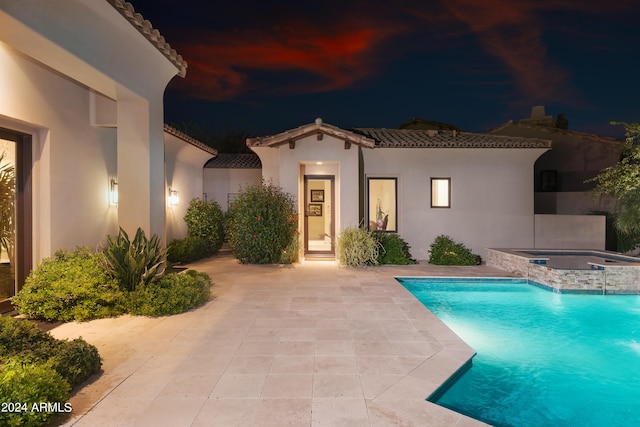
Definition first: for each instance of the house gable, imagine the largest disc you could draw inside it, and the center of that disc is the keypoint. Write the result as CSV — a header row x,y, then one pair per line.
x,y
319,129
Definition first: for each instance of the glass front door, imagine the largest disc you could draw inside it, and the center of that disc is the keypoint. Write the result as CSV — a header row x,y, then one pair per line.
x,y
319,219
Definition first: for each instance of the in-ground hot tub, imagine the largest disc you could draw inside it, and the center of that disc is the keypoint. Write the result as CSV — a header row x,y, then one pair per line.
x,y
588,271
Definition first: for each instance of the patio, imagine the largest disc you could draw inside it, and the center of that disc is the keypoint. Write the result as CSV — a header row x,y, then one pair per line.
x,y
312,344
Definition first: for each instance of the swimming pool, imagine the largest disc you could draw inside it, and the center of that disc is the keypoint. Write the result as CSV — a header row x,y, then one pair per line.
x,y
543,358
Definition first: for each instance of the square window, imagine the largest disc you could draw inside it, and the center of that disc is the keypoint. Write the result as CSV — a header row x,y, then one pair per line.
x,y
440,192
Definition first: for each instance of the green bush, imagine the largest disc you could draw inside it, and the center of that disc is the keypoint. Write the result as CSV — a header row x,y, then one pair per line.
x,y
172,294
189,249
28,384
393,249
37,368
357,247
205,219
25,338
263,225
76,360
444,251
136,262
71,285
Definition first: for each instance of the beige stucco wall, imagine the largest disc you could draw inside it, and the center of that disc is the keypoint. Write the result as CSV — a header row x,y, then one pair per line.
x,y
219,183
52,58
570,231
73,160
491,195
183,172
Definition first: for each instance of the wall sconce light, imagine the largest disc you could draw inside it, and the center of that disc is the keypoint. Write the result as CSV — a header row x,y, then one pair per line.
x,y
113,192
173,197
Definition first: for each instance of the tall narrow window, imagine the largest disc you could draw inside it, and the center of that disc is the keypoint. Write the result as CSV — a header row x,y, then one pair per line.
x,y
440,192
383,204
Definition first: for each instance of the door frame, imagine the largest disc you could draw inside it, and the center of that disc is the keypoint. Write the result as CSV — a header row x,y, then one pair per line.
x,y
24,206
332,230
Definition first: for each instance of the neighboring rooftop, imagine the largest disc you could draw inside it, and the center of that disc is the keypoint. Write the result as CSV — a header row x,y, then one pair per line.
x,y
186,138
422,124
235,161
543,123
153,35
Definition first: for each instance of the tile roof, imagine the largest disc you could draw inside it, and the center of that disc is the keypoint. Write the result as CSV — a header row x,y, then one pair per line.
x,y
153,35
235,161
416,138
318,128
186,138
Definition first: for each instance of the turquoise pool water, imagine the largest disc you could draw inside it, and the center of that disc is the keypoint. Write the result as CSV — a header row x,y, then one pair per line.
x,y
543,358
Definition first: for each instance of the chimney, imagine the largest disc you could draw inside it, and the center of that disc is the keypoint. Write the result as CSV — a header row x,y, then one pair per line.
x,y
537,112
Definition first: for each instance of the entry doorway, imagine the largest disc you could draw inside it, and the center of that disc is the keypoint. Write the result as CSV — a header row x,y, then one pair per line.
x,y
15,214
319,216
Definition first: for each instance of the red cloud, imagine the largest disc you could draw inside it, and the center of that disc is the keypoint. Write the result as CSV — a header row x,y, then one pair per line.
x,y
512,32
337,51
333,58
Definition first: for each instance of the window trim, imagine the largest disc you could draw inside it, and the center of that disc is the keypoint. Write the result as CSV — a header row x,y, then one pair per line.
x,y
392,212
433,181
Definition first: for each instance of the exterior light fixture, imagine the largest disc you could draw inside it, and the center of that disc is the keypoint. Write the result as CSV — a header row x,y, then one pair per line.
x,y
113,192
173,197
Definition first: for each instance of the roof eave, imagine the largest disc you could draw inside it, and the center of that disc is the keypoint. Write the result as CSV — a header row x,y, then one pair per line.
x,y
294,135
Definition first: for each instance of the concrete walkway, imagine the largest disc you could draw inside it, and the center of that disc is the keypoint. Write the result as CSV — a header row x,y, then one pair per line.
x,y
312,344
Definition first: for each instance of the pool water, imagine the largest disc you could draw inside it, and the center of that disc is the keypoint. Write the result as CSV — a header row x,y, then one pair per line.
x,y
543,358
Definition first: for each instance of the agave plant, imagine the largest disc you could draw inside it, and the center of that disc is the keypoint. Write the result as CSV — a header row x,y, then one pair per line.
x,y
134,263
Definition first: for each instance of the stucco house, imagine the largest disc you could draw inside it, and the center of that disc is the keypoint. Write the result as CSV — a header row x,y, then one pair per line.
x,y
81,118
561,174
420,183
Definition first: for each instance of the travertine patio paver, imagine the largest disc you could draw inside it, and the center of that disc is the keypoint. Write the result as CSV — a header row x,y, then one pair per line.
x,y
312,344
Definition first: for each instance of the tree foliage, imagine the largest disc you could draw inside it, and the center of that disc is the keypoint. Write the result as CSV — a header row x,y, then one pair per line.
x,y
622,181
263,225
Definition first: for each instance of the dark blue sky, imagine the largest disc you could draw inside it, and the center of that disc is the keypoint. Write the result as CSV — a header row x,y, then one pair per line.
x,y
268,66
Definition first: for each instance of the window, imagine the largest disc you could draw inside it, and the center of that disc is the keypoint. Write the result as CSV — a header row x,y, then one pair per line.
x,y
383,204
549,180
440,192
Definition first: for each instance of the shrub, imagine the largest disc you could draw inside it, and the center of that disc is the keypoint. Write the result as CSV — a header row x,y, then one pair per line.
x,y
39,368
172,294
205,219
71,285
444,251
76,360
134,263
189,249
26,384
393,249
357,247
263,225
24,337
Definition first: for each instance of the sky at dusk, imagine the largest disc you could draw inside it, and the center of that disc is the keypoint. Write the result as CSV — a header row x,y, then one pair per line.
x,y
264,67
